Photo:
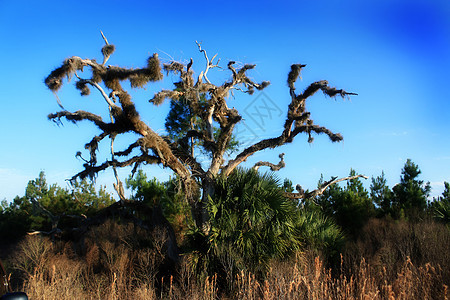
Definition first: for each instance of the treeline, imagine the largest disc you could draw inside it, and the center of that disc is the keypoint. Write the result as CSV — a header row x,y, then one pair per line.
x,y
377,236
246,202
32,212
352,205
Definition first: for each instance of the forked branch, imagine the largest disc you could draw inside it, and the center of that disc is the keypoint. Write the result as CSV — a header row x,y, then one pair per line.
x,y
298,119
209,63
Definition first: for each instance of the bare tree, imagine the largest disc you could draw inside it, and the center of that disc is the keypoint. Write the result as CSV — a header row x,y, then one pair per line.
x,y
152,148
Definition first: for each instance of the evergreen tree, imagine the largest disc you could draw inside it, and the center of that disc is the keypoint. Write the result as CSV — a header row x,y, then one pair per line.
x,y
27,213
350,207
15,219
167,195
381,195
288,186
181,119
411,194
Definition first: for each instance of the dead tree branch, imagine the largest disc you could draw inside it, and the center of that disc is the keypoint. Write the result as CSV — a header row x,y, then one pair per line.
x,y
107,50
118,186
100,89
54,220
209,63
298,118
301,194
272,166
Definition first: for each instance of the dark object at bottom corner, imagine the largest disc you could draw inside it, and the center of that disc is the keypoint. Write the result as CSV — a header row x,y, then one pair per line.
x,y
14,296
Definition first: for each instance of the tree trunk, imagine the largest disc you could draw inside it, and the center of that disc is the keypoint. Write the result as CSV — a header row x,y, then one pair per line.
x,y
200,211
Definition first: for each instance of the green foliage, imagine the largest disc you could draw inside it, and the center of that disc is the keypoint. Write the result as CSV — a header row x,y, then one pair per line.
x,y
148,191
88,198
81,199
287,186
351,207
167,194
440,207
21,215
381,195
318,232
182,119
15,219
251,222
411,194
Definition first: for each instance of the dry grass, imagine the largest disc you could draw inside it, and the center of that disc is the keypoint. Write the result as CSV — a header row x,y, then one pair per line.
x,y
307,278
114,267
302,278
387,245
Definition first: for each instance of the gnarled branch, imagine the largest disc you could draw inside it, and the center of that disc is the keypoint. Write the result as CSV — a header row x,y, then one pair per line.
x,y
301,194
272,166
209,63
79,116
297,121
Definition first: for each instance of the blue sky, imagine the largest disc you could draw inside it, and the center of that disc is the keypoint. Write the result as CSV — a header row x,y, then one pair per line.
x,y
394,54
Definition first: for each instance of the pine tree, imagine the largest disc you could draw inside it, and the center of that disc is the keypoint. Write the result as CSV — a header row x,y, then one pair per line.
x,y
410,196
350,207
381,195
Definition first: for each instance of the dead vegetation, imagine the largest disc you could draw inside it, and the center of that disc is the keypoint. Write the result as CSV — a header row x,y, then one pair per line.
x,y
122,262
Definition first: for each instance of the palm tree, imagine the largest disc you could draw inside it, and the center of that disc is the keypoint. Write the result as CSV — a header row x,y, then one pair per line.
x,y
318,232
251,222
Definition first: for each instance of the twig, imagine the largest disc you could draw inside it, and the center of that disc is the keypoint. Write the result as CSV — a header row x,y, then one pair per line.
x,y
59,101
51,232
104,37
107,50
117,186
99,88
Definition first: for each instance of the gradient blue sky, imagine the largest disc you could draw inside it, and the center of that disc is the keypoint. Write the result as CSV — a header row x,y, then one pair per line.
x,y
395,54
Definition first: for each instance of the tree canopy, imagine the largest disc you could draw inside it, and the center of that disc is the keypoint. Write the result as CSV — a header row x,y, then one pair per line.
x,y
411,194
203,108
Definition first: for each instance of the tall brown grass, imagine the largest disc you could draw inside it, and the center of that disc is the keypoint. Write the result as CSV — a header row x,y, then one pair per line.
x,y
118,264
388,244
307,278
301,278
